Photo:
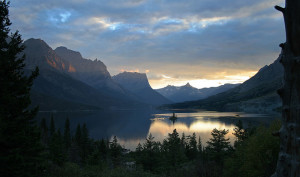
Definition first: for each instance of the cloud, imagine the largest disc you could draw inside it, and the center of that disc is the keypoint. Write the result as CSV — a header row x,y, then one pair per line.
x,y
182,39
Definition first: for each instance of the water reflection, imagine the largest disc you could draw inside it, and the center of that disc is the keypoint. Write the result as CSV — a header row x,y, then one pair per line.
x,y
105,124
188,123
132,127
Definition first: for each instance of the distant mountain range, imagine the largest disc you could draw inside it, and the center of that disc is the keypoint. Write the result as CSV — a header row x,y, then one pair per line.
x,y
67,81
258,94
190,93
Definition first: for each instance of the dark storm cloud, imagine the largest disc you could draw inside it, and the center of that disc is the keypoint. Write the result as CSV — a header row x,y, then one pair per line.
x,y
143,33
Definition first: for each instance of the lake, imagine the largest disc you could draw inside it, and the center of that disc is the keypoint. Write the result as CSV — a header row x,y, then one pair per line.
x,y
132,127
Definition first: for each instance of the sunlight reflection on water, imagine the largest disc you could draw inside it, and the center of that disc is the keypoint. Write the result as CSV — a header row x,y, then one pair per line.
x,y
201,123
133,126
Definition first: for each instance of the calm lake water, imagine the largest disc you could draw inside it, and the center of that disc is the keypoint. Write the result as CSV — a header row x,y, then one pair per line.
x,y
132,127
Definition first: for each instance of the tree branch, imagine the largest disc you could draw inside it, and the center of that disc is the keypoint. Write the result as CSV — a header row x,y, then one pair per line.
x,y
281,9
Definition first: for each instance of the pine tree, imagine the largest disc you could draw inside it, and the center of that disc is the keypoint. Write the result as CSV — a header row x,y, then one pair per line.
x,y
75,151
218,145
78,135
139,148
67,134
149,143
85,146
192,147
183,143
199,145
44,132
103,148
148,158
240,133
52,126
20,145
174,152
115,152
56,148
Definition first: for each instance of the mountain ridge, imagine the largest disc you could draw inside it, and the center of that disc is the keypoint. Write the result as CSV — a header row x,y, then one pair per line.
x,y
56,82
257,94
93,73
189,93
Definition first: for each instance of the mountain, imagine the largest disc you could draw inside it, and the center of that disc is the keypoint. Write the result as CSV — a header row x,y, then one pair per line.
x,y
138,84
258,94
189,93
93,73
56,85
38,53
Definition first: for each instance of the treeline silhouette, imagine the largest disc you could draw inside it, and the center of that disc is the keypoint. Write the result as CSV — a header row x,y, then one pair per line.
x,y
253,153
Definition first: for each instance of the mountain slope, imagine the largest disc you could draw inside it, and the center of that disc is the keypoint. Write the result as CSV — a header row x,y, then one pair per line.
x,y
38,53
55,83
93,73
189,93
138,84
258,94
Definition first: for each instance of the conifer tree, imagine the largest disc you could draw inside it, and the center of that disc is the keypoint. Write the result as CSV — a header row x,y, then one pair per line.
x,y
67,134
20,145
44,132
76,146
175,153
139,148
218,145
115,152
56,148
148,159
240,133
84,143
52,126
199,145
103,148
183,143
192,144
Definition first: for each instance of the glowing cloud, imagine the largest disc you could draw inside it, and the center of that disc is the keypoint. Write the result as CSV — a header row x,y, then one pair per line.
x,y
166,77
59,15
132,71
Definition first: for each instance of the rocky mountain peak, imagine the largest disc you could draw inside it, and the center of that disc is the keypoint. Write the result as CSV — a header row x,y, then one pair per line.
x,y
138,84
188,85
132,80
80,64
39,53
37,44
70,55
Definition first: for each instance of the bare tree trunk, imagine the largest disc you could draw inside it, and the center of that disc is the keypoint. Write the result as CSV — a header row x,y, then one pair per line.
x,y
288,164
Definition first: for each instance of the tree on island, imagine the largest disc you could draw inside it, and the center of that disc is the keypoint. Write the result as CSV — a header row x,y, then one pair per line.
x,y
288,164
20,144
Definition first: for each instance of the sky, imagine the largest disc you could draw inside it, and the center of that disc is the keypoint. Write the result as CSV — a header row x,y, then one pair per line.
x,y
204,42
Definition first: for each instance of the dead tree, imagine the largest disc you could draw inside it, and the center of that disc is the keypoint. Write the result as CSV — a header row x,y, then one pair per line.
x,y
288,164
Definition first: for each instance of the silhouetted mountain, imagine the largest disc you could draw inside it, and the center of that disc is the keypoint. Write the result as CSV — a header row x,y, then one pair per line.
x,y
138,84
49,103
38,53
57,84
189,93
258,94
93,73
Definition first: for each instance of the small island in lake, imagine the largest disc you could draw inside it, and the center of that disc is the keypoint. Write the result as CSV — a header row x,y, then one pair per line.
x,y
173,117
